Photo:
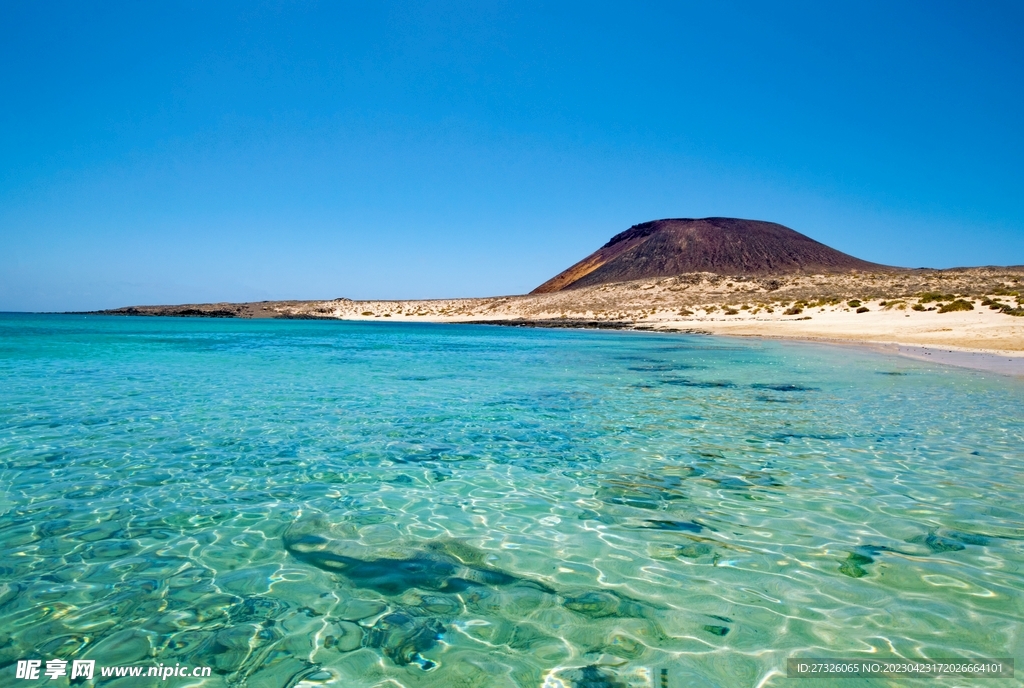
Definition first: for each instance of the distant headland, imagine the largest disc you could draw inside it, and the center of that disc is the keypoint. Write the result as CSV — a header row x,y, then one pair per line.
x,y
717,275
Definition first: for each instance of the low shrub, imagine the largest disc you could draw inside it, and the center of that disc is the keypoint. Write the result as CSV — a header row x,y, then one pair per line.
x,y
958,305
367,312
793,311
853,303
731,311
929,296
918,307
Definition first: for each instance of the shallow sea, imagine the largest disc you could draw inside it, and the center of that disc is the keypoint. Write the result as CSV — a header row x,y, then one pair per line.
x,y
329,503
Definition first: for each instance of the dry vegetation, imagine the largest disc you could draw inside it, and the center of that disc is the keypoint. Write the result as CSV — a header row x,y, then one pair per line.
x,y
703,294
967,308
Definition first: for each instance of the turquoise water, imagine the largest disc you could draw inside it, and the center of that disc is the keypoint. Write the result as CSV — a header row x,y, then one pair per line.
x,y
346,504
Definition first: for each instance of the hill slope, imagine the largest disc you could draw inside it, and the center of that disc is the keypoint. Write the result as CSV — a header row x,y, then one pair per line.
x,y
721,245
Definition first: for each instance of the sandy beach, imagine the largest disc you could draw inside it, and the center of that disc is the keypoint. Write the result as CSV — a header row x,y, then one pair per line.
x,y
982,339
914,313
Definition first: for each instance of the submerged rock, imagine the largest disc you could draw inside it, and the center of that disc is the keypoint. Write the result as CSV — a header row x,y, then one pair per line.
x,y
854,565
591,676
649,491
599,604
694,550
355,609
345,637
950,540
256,609
936,543
686,526
701,384
438,605
402,638
746,481
967,538
434,569
391,576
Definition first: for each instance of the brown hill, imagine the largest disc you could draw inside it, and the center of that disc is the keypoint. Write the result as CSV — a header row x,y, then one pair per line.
x,y
722,245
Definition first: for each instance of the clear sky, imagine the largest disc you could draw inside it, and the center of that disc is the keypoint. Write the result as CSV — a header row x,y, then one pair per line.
x,y
173,152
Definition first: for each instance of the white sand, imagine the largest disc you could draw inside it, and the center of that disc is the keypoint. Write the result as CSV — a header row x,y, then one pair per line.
x,y
746,307
981,338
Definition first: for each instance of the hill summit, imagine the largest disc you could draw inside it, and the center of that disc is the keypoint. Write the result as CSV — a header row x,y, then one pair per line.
x,y
721,245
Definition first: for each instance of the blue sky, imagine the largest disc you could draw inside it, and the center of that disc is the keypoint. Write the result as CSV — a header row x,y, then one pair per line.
x,y
175,152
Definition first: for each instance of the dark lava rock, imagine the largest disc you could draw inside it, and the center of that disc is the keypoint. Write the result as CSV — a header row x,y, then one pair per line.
x,y
720,245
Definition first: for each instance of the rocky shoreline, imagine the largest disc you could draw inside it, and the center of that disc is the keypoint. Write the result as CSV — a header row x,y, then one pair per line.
x,y
969,309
